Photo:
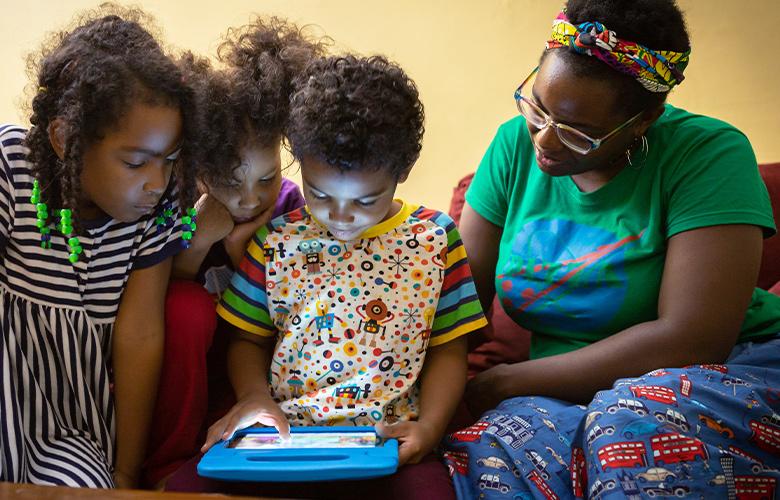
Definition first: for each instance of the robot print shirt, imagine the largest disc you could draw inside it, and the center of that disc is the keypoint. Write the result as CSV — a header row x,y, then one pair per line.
x,y
353,319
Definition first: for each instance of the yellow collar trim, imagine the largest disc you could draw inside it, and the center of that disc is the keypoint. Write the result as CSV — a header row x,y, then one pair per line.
x,y
386,225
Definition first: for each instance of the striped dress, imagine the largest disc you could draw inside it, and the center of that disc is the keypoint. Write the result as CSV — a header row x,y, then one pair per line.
x,y
56,320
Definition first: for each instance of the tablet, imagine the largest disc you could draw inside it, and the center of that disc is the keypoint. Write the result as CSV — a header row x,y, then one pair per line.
x,y
312,454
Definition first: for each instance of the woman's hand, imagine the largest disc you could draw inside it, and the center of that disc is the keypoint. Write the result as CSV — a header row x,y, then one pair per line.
x,y
254,409
415,439
488,389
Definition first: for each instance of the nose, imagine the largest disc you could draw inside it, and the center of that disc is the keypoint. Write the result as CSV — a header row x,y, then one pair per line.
x,y
250,197
547,139
340,214
157,178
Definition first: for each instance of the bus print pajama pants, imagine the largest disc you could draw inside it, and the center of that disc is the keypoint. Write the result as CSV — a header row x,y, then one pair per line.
x,y
700,432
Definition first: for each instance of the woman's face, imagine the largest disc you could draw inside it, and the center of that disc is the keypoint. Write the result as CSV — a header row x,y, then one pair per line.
x,y
125,173
255,184
587,104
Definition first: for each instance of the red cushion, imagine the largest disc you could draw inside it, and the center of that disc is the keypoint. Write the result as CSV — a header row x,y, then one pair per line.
x,y
770,263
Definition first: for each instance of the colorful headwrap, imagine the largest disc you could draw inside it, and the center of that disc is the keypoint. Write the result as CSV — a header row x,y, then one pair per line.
x,y
656,70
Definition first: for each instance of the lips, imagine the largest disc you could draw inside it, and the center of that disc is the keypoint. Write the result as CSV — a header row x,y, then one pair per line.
x,y
146,208
546,161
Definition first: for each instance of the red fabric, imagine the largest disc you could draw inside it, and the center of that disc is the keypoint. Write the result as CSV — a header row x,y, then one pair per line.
x,y
428,480
182,396
770,263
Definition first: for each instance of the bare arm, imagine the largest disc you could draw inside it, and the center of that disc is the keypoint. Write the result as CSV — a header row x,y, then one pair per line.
x,y
137,355
709,277
442,381
481,239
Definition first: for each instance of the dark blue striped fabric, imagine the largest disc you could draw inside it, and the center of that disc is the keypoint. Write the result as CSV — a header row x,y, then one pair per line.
x,y
57,414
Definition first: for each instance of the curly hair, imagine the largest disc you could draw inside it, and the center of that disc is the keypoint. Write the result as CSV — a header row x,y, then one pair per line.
x,y
89,77
658,24
357,113
249,100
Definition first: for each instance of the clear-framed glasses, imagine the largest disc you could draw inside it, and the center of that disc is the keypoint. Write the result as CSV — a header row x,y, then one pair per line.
x,y
577,141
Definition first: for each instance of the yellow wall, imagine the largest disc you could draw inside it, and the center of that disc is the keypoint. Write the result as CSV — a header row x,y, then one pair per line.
x,y
466,56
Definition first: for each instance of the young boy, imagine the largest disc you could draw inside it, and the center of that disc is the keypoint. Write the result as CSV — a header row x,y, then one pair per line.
x,y
357,304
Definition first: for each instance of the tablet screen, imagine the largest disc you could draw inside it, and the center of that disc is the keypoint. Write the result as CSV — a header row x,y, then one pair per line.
x,y
272,441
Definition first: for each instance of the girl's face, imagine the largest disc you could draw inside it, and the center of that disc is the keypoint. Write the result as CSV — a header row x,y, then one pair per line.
x,y
348,203
126,172
255,184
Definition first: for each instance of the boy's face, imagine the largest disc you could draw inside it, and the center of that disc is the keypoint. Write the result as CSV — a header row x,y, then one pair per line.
x,y
351,202
255,184
125,173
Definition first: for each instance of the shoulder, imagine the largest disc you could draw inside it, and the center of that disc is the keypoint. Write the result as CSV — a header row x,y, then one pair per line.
x,y
13,153
432,216
678,128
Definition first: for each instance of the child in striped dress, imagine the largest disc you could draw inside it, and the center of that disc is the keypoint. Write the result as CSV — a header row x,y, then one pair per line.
x,y
84,263
358,304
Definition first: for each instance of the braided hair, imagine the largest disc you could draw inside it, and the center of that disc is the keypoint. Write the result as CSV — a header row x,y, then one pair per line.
x,y
89,77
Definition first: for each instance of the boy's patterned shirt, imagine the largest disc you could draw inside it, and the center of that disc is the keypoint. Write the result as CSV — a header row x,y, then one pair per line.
x,y
353,319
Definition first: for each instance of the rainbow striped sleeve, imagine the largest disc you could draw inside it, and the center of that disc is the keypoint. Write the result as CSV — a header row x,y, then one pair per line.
x,y
245,303
458,311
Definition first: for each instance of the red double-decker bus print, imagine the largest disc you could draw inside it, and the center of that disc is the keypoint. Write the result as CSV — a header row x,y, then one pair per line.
x,y
766,437
579,472
755,487
457,461
671,448
654,393
685,385
543,487
471,434
622,454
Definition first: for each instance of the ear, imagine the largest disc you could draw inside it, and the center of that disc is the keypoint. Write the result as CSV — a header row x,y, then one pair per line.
x,y
648,119
404,175
56,132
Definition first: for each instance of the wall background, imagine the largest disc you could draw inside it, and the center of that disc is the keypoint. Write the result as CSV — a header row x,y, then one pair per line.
x,y
467,57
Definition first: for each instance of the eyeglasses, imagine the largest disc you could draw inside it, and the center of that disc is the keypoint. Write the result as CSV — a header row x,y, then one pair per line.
x,y
572,138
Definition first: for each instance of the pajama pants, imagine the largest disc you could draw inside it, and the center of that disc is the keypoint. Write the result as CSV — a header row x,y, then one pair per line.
x,y
703,431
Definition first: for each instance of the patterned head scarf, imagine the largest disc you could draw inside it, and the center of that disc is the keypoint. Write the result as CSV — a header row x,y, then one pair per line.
x,y
656,70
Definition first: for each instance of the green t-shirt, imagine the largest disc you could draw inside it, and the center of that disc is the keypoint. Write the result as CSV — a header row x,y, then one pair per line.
x,y
577,267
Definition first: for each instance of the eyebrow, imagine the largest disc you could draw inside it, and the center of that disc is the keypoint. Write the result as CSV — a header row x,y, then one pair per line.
x,y
132,149
570,123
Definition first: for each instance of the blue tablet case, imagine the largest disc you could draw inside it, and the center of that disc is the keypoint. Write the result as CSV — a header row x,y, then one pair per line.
x,y
300,464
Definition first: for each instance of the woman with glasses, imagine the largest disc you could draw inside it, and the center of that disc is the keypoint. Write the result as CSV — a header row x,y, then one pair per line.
x,y
626,234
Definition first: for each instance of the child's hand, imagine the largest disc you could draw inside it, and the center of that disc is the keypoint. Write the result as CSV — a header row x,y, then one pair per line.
x,y
238,238
214,221
415,439
247,412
